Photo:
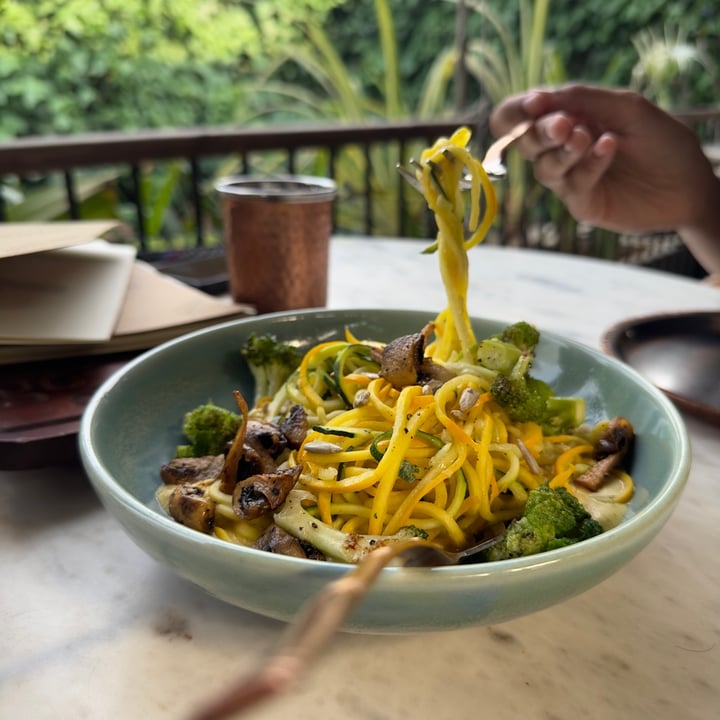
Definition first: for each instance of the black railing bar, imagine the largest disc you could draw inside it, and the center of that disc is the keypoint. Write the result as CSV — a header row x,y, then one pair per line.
x,y
71,195
3,205
135,178
401,203
332,169
45,153
367,181
196,181
291,161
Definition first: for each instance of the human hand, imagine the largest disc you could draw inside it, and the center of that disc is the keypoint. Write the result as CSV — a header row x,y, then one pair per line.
x,y
615,159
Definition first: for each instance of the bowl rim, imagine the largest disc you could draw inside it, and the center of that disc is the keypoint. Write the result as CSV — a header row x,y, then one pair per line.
x,y
642,520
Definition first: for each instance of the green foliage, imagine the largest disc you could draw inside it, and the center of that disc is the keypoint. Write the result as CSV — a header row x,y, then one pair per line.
x,y
423,31
336,83
314,81
513,57
596,40
73,65
76,65
44,199
666,65
69,66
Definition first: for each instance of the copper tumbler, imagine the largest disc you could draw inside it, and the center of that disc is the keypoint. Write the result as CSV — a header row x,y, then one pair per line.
x,y
277,234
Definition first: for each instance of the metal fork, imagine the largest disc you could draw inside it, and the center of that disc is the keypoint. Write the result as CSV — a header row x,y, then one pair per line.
x,y
493,162
317,621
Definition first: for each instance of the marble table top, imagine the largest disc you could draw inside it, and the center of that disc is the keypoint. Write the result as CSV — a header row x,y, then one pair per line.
x,y
93,628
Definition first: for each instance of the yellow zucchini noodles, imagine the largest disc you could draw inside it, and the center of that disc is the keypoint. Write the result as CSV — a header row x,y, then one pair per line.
x,y
450,462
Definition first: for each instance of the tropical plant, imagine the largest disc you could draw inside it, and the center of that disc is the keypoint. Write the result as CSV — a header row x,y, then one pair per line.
x,y
665,65
596,39
69,66
77,65
507,61
329,88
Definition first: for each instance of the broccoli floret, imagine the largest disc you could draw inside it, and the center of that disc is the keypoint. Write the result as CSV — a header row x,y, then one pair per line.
x,y
271,363
208,428
523,397
526,398
495,354
522,335
553,518
501,352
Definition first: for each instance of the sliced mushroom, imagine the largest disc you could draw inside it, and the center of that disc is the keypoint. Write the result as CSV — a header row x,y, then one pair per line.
x,y
255,462
295,426
181,471
617,437
251,462
431,372
610,449
235,452
263,444
261,494
277,540
265,437
403,361
190,506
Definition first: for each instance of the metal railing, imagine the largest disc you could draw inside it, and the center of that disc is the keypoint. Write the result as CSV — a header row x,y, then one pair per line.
x,y
135,150
136,153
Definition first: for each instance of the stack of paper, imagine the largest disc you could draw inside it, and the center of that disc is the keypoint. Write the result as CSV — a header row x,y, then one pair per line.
x,y
63,293
64,296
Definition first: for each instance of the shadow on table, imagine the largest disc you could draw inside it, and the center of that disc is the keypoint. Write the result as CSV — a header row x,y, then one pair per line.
x,y
33,501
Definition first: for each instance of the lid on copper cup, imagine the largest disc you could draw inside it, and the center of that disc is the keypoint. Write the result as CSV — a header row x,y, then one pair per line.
x,y
278,188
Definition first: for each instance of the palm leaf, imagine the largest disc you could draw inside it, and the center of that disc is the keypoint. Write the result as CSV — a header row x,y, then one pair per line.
x,y
388,44
513,59
517,65
489,67
434,89
535,41
158,189
329,63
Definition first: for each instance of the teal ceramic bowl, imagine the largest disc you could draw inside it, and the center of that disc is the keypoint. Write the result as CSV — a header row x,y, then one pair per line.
x,y
131,427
